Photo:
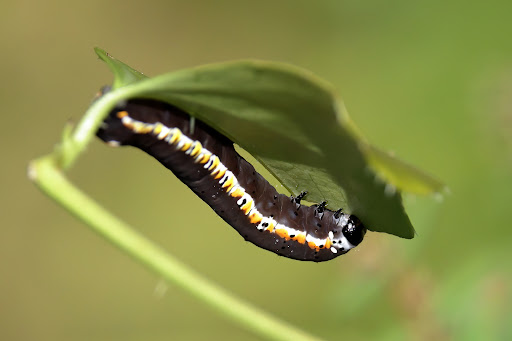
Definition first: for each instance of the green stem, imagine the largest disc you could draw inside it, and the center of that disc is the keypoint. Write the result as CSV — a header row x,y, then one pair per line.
x,y
46,173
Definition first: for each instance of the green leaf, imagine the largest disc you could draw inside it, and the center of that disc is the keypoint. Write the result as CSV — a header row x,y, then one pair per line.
x,y
397,173
292,123
402,175
123,74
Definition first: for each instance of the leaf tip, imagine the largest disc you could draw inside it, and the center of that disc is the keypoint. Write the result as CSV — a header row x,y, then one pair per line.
x,y
102,54
32,171
442,193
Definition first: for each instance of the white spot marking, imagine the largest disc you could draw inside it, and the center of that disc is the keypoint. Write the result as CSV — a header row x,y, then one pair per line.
x,y
113,143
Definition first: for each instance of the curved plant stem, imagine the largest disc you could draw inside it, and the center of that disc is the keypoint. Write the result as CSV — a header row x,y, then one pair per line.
x,y
47,173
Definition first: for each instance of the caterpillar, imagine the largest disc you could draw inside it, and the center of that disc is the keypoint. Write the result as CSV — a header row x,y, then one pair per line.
x,y
208,164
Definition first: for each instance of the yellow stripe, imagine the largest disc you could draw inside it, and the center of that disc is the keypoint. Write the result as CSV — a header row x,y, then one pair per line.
x,y
197,149
230,187
146,128
158,128
176,136
186,146
215,162
270,227
229,183
138,127
205,158
216,171
221,173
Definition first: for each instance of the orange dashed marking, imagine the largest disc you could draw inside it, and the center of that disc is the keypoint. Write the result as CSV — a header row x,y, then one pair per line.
x,y
301,238
282,233
270,227
121,114
328,243
312,245
255,218
237,193
247,207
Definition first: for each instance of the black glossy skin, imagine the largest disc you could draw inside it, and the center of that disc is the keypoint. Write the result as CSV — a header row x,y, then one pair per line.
x,y
267,200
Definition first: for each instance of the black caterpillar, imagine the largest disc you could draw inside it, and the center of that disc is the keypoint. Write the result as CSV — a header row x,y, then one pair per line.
x,y
207,162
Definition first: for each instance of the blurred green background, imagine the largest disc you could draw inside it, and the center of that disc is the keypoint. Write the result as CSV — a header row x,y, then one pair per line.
x,y
431,81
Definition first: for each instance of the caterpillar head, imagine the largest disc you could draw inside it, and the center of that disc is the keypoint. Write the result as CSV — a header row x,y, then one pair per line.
x,y
354,230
